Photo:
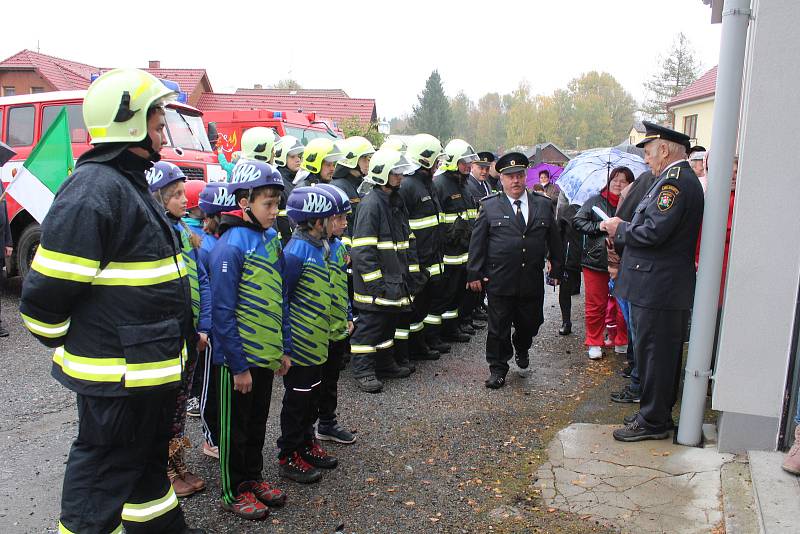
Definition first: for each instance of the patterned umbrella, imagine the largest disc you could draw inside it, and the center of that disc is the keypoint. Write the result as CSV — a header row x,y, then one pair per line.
x,y
587,173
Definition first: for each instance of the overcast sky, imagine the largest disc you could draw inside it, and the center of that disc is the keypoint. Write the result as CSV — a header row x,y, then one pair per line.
x,y
372,49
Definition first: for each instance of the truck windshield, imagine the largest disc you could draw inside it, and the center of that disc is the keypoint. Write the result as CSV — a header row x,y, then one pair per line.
x,y
187,131
306,134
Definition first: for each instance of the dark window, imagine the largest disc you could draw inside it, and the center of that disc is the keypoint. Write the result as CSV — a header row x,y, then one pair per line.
x,y
19,131
690,126
77,128
9,90
35,90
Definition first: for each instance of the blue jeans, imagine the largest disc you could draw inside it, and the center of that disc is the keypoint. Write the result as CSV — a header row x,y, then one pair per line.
x,y
624,305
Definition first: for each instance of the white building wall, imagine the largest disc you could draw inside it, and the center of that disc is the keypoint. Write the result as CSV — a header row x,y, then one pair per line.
x,y
764,268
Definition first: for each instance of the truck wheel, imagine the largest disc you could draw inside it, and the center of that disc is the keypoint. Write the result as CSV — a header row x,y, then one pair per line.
x,y
26,248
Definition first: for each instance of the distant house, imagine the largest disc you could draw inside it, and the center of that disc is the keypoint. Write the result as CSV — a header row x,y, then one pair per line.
x,y
693,109
258,89
637,133
32,72
337,108
546,153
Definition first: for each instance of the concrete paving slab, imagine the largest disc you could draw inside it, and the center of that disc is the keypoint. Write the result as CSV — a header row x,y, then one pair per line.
x,y
650,486
777,493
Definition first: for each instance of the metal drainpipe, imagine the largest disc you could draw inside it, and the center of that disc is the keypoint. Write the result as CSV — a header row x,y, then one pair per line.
x,y
735,19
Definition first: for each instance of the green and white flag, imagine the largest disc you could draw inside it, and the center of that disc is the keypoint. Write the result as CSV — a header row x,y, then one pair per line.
x,y
48,166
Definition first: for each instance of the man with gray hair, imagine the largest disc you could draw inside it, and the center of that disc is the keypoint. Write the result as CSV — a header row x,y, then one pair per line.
x,y
657,277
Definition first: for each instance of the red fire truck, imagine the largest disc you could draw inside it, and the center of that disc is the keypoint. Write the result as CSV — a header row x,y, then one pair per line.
x,y
225,127
23,120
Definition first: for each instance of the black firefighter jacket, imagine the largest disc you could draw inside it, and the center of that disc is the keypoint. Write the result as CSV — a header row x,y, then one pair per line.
x,y
460,212
511,257
425,217
385,267
108,287
658,246
349,183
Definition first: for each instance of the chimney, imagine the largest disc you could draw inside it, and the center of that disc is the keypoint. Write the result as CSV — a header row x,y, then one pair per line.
x,y
154,64
257,86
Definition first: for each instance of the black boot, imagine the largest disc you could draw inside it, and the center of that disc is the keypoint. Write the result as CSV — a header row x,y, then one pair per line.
x,y
566,328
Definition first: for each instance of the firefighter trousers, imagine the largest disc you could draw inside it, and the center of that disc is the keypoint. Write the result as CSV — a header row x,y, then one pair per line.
x,y
116,472
446,300
372,341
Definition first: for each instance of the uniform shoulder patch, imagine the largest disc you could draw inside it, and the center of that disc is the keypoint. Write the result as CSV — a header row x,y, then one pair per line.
x,y
493,195
674,173
666,198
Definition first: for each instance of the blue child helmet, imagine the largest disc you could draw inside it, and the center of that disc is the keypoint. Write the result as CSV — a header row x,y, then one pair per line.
x,y
307,203
250,174
342,201
163,173
216,198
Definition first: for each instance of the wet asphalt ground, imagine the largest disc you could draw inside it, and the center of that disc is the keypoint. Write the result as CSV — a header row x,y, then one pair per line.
x,y
437,452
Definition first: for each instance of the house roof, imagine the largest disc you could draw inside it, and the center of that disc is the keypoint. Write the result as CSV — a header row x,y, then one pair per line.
x,y
703,87
340,93
639,127
335,108
188,79
62,74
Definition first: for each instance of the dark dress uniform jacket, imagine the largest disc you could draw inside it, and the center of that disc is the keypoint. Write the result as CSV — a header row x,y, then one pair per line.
x,y
658,245
476,189
510,257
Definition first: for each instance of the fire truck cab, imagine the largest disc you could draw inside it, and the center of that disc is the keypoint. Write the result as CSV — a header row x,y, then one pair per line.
x,y
25,118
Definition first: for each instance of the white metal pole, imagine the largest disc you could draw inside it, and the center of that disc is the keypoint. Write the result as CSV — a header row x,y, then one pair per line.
x,y
735,19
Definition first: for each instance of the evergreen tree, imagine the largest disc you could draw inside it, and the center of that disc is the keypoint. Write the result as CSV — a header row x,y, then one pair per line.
x,y
432,113
678,69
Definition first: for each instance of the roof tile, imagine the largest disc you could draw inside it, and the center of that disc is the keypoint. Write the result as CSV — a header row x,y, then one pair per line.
x,y
704,86
335,108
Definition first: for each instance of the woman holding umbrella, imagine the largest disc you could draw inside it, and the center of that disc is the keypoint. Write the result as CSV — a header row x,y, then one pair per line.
x,y
594,261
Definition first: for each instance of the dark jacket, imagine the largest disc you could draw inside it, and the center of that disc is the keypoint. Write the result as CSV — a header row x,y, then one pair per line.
x,y
634,194
283,224
593,240
571,239
658,245
512,258
476,189
349,183
552,191
112,292
382,254
5,228
460,212
424,212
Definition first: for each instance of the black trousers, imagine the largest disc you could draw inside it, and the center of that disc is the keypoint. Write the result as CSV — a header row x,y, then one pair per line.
x,y
372,342
117,467
242,427
658,339
328,391
525,314
425,312
446,301
469,302
209,400
570,283
300,404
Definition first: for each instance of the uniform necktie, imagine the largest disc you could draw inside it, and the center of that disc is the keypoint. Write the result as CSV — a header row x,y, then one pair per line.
x,y
520,217
486,188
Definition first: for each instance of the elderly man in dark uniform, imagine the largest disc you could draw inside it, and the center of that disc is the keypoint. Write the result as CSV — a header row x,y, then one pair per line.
x,y
512,236
657,277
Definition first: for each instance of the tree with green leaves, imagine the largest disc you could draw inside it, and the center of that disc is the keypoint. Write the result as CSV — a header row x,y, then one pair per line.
x,y
679,68
352,126
432,113
288,84
463,112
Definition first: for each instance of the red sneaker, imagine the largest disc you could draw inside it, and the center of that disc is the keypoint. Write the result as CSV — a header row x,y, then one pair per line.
x,y
294,467
314,454
246,506
264,492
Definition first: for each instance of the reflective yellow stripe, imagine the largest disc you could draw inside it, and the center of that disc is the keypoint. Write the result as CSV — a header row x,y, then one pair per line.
x,y
450,218
432,319
282,213
92,369
416,327
472,214
64,266
361,349
366,299
365,241
401,333
411,236
423,222
45,329
141,513
371,277
346,241
141,273
64,530
413,268
391,245
155,373
385,345
456,260
452,314
435,269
